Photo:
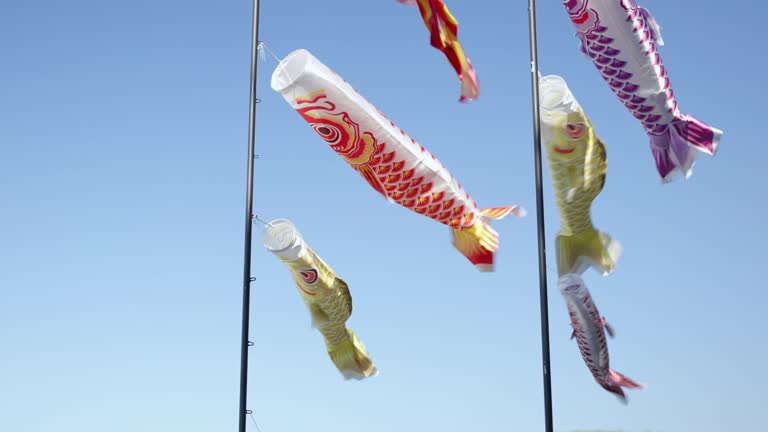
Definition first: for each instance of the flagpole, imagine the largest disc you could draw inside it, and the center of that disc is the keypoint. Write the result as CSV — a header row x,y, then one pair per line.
x,y
247,279
540,219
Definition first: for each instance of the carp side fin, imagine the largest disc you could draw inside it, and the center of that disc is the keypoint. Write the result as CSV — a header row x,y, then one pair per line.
x,y
653,27
602,170
319,317
583,46
479,242
502,212
343,290
577,252
352,359
608,327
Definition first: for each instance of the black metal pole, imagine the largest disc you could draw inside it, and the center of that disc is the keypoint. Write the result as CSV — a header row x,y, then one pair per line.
x,y
244,342
540,219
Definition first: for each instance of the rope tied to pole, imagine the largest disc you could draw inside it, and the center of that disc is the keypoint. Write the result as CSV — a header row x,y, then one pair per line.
x,y
250,413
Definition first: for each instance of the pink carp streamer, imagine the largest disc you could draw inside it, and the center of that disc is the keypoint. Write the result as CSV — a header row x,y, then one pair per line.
x,y
444,29
589,329
622,38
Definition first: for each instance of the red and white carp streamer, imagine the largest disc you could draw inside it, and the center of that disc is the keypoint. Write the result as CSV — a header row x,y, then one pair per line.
x,y
393,163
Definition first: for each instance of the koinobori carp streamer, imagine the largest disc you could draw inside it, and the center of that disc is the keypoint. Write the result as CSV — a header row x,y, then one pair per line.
x,y
622,40
326,296
589,329
444,35
393,163
578,165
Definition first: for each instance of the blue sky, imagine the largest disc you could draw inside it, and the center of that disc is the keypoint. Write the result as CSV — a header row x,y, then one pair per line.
x,y
123,131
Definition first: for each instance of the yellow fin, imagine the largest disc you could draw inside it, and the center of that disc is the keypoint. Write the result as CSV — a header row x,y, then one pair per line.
x,y
343,290
479,242
351,358
599,152
576,253
502,212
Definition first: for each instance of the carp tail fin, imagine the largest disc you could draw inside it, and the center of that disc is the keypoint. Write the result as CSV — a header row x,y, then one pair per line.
x,y
697,134
480,241
352,359
677,149
576,253
623,381
616,381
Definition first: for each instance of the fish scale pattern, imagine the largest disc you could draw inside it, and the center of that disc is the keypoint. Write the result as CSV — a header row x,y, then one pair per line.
x,y
336,302
325,291
575,214
408,189
654,116
589,334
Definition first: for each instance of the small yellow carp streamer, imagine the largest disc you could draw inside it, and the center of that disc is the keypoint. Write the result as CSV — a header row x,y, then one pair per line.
x,y
326,296
443,29
578,164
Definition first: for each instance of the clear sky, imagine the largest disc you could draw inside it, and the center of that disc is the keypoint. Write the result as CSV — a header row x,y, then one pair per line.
x,y
123,131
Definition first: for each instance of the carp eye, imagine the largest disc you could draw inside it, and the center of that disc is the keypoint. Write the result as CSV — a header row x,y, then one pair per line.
x,y
574,130
309,276
330,134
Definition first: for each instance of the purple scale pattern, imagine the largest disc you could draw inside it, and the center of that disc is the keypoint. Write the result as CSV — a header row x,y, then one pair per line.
x,y
610,65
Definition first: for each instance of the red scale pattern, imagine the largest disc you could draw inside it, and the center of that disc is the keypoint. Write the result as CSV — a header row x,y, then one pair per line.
x,y
388,175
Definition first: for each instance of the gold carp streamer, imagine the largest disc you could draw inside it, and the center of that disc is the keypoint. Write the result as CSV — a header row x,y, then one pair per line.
x,y
578,165
326,296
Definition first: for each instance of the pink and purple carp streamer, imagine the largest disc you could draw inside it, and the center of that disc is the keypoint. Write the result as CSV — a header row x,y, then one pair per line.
x,y
622,38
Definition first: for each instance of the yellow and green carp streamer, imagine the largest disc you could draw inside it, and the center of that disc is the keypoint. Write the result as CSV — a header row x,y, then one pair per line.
x,y
578,165
326,296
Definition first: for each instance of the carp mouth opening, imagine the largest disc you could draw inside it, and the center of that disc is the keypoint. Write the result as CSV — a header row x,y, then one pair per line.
x,y
564,151
570,284
290,69
278,235
555,94
572,288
